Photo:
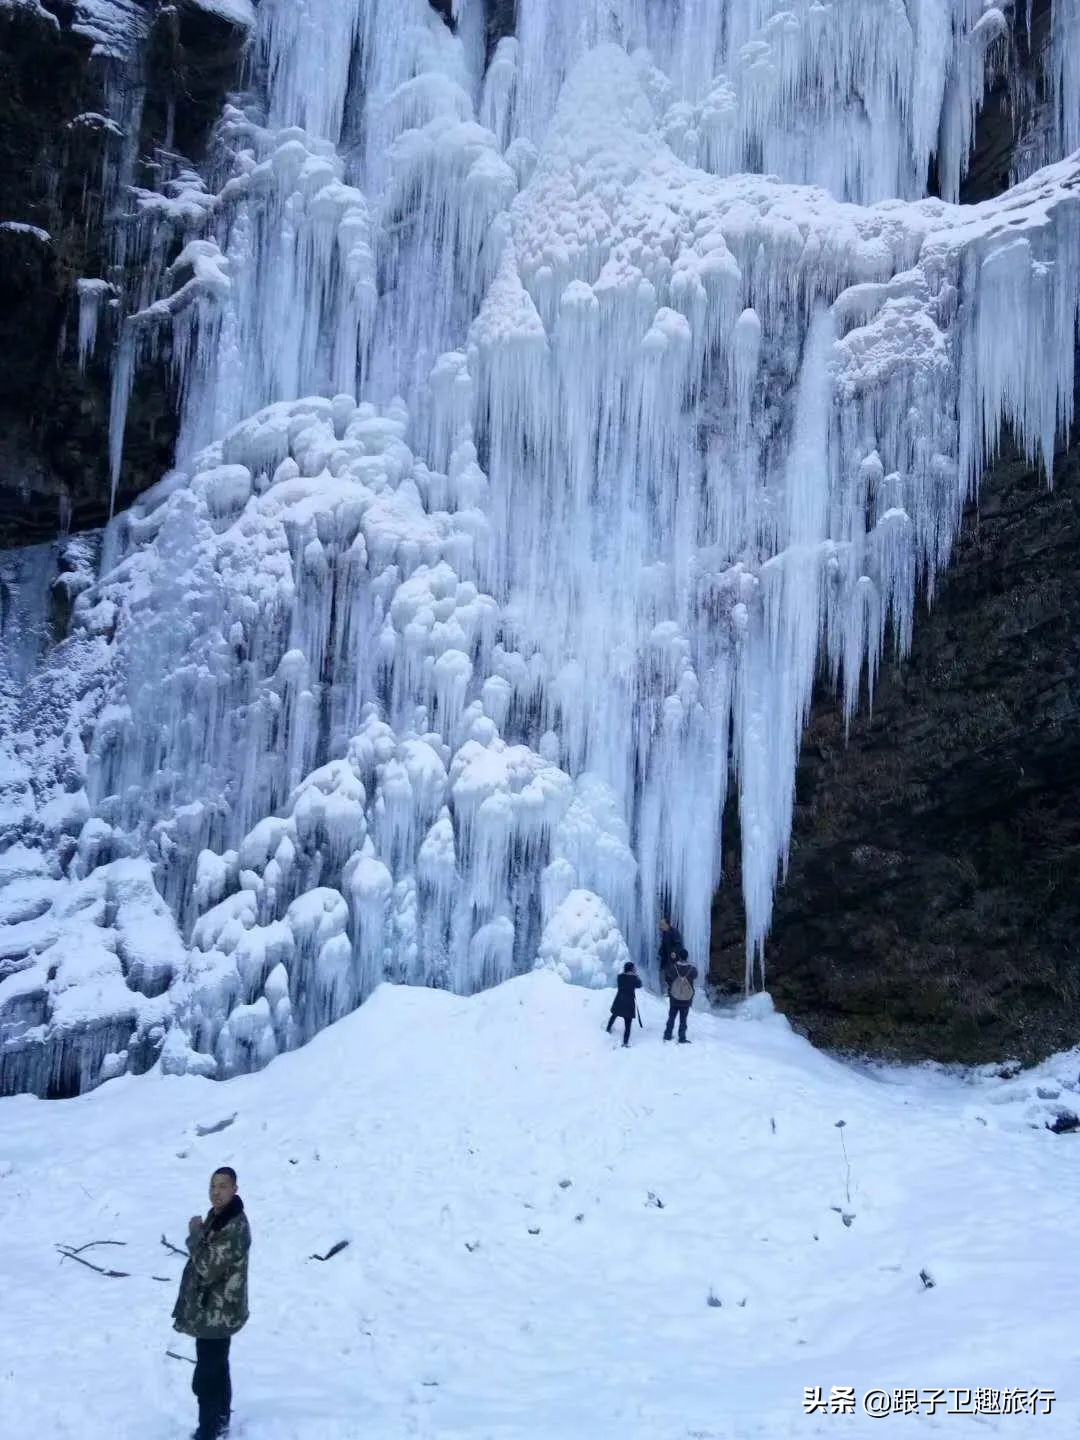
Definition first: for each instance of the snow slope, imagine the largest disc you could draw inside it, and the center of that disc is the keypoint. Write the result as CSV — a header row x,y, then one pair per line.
x,y
436,1133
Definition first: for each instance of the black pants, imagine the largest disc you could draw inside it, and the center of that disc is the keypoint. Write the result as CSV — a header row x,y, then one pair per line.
x,y
212,1385
627,1020
681,1008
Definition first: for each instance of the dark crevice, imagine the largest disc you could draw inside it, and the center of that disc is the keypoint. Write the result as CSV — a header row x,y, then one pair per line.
x,y
500,19
501,22
1004,114
445,8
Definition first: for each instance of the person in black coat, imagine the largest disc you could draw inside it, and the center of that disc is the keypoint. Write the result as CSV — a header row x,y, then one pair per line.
x,y
671,943
625,1002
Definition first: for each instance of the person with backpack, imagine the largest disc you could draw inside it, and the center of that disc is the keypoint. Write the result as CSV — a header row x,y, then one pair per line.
x,y
679,977
624,1005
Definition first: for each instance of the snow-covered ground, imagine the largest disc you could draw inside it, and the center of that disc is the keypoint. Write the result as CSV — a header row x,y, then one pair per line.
x,y
495,1164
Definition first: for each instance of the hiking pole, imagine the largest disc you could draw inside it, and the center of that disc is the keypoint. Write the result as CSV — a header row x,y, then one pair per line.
x,y
637,1012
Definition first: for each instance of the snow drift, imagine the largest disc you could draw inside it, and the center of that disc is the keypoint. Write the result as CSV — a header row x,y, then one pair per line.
x,y
574,1240
438,687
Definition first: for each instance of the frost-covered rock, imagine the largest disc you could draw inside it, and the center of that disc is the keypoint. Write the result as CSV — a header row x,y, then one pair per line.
x,y
237,12
87,978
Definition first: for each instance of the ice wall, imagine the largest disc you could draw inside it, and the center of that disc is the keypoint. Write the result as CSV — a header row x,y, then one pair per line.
x,y
535,459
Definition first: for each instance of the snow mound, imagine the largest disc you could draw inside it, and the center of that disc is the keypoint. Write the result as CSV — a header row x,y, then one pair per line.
x,y
582,943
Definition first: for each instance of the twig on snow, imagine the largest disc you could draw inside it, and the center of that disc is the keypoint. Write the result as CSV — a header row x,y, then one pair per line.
x,y
66,1254
215,1129
174,1356
843,1145
334,1250
173,1248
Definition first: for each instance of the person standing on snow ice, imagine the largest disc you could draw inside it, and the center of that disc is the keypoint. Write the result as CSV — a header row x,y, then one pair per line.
x,y
670,942
625,1003
213,1302
679,976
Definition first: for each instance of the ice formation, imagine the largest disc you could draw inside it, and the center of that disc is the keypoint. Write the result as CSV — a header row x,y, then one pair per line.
x,y
535,458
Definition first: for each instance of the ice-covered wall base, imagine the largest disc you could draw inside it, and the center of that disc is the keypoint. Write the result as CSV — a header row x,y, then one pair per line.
x,y
434,689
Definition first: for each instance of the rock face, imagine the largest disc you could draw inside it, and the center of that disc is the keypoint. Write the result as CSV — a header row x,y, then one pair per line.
x,y
932,906
85,111
78,120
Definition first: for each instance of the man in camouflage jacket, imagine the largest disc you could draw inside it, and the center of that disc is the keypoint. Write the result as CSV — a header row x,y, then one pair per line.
x,y
212,1305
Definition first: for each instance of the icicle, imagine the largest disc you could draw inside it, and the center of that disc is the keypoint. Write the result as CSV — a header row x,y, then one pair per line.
x,y
91,295
123,379
500,84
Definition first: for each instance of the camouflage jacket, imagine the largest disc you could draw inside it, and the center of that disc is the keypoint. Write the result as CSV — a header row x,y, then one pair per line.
x,y
213,1300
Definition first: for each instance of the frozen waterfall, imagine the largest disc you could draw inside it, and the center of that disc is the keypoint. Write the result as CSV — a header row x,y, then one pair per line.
x,y
550,421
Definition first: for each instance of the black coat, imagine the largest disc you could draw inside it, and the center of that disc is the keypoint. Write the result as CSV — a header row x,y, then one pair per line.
x,y
625,1002
670,944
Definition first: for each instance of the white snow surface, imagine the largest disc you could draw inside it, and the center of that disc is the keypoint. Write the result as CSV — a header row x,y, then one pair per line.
x,y
536,1222
528,454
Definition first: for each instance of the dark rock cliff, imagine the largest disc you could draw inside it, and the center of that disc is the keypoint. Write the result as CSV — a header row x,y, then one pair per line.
x,y
75,122
932,906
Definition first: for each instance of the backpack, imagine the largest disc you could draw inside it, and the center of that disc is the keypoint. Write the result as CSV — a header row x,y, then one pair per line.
x,y
682,987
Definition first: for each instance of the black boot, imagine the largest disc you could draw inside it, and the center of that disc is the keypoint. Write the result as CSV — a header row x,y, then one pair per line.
x,y
683,1040
216,1430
